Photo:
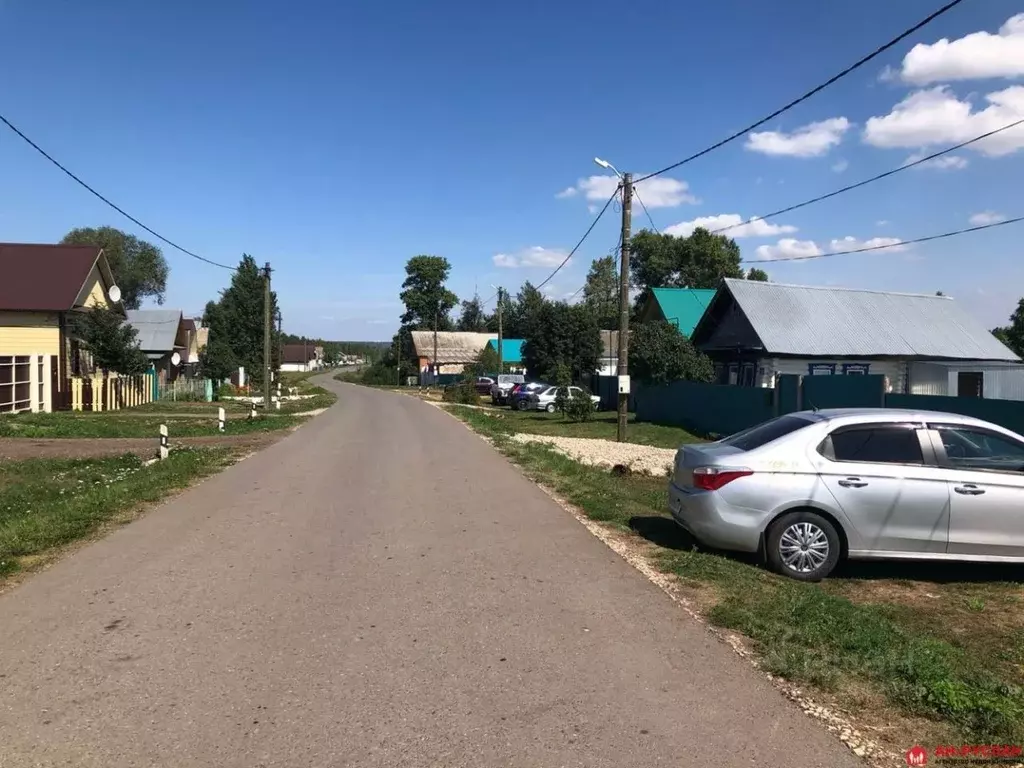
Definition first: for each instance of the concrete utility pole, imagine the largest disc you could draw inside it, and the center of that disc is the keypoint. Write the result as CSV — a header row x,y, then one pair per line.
x,y
501,359
623,367
437,313
268,324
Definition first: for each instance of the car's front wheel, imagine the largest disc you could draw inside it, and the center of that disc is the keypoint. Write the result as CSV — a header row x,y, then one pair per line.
x,y
550,408
803,545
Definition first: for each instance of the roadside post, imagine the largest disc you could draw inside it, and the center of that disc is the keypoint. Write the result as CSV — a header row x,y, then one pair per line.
x,y
220,419
252,410
164,450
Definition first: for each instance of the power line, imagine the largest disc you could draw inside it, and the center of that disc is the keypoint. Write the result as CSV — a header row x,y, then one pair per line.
x,y
835,78
117,208
614,252
585,235
639,200
871,180
887,245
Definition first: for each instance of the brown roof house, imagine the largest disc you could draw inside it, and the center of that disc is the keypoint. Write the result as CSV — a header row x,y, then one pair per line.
x,y
302,357
41,288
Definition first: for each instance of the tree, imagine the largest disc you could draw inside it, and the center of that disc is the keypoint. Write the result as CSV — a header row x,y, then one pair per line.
x,y
1012,335
601,292
759,275
522,313
472,317
659,353
698,261
236,325
486,362
562,334
424,294
138,267
111,341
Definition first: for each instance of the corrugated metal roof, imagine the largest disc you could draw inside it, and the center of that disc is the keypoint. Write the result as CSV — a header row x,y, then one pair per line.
x,y
452,346
511,349
46,278
683,307
818,321
158,328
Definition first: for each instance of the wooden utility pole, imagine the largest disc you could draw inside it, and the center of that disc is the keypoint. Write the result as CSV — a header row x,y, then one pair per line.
x,y
501,359
437,313
268,324
623,365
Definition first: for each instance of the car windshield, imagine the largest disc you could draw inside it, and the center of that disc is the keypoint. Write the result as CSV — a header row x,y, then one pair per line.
x,y
764,433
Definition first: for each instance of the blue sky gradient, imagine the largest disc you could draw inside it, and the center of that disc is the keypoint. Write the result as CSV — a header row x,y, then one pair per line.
x,y
336,140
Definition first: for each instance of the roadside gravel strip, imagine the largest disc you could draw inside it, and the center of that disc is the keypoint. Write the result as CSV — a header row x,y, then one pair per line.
x,y
606,453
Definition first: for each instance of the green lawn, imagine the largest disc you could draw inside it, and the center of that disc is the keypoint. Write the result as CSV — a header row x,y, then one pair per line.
x,y
603,425
131,424
46,503
929,654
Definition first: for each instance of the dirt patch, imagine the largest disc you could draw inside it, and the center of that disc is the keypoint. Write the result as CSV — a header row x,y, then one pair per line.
x,y
17,449
606,453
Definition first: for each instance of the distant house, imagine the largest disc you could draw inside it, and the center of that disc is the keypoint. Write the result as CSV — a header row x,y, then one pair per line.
x,y
196,337
454,351
301,357
923,344
42,287
164,338
511,351
608,363
682,307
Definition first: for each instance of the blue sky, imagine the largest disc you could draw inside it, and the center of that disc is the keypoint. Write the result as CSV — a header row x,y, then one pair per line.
x,y
336,140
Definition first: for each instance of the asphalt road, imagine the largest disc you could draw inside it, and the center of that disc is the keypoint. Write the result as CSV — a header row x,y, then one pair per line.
x,y
379,588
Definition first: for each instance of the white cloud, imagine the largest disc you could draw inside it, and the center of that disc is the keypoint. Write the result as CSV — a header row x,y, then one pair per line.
x,y
935,116
841,166
755,228
881,243
531,257
974,56
881,222
986,217
788,248
944,163
658,192
811,140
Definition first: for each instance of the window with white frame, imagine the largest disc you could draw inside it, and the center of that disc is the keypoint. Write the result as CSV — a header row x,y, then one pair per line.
x,y
821,369
856,369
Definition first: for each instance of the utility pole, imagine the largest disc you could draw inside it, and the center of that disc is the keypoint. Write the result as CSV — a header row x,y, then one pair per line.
x,y
268,324
398,359
623,366
437,370
501,359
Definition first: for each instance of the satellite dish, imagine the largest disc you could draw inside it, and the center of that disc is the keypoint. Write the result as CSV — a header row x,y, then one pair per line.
x,y
175,359
114,293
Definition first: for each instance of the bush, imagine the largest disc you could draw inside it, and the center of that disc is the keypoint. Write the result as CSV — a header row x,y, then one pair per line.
x,y
227,390
463,393
580,408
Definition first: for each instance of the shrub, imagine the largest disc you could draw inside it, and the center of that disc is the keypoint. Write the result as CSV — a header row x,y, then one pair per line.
x,y
227,390
463,393
580,408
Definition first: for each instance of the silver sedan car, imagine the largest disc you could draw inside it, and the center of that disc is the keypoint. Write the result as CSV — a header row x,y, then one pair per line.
x,y
810,488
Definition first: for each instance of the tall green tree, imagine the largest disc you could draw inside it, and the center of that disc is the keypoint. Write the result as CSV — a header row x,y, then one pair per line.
x,y
601,292
1012,335
473,318
139,267
563,334
698,261
758,275
659,353
236,325
424,293
113,344
521,313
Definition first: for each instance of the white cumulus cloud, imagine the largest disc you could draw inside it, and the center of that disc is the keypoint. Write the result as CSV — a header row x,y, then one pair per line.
x,y
986,217
755,228
849,243
788,248
658,192
841,166
944,163
974,56
811,140
935,116
531,257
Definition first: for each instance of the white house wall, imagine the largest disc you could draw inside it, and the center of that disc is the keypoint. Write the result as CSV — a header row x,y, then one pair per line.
x,y
894,369
1002,381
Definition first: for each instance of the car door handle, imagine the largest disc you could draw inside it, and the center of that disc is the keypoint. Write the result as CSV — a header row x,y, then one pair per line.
x,y
969,489
852,482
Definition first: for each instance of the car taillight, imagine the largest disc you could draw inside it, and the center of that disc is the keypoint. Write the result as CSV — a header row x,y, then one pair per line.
x,y
713,478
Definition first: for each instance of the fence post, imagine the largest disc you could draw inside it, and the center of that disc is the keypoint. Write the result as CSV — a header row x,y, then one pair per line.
x,y
164,449
220,419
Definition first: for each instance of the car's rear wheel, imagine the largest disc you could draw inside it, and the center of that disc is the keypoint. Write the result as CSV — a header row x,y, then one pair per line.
x,y
803,545
550,408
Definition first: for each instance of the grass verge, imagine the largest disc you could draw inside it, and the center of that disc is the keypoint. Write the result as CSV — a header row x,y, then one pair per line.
x,y
919,661
47,503
127,424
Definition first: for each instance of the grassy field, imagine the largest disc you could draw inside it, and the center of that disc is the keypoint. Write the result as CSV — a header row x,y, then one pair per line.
x,y
45,504
131,423
602,425
920,654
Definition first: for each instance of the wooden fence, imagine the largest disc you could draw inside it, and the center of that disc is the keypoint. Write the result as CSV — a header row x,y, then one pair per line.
x,y
109,392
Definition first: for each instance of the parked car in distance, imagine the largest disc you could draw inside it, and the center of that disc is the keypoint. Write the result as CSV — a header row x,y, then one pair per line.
x,y
502,387
811,488
519,397
483,385
544,400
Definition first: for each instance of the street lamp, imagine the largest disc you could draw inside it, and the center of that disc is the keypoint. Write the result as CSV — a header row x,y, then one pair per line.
x,y
609,166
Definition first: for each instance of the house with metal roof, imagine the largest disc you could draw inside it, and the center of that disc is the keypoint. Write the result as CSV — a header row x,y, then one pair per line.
x,y
163,337
511,350
302,357
922,344
447,352
682,307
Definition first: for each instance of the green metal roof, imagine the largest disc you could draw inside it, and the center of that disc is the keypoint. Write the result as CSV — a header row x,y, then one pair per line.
x,y
683,307
511,349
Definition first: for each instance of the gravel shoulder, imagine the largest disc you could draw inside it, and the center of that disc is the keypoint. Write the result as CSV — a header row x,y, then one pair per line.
x,y
607,453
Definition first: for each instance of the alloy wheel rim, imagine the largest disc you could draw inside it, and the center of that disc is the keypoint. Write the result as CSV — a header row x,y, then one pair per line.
x,y
803,547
